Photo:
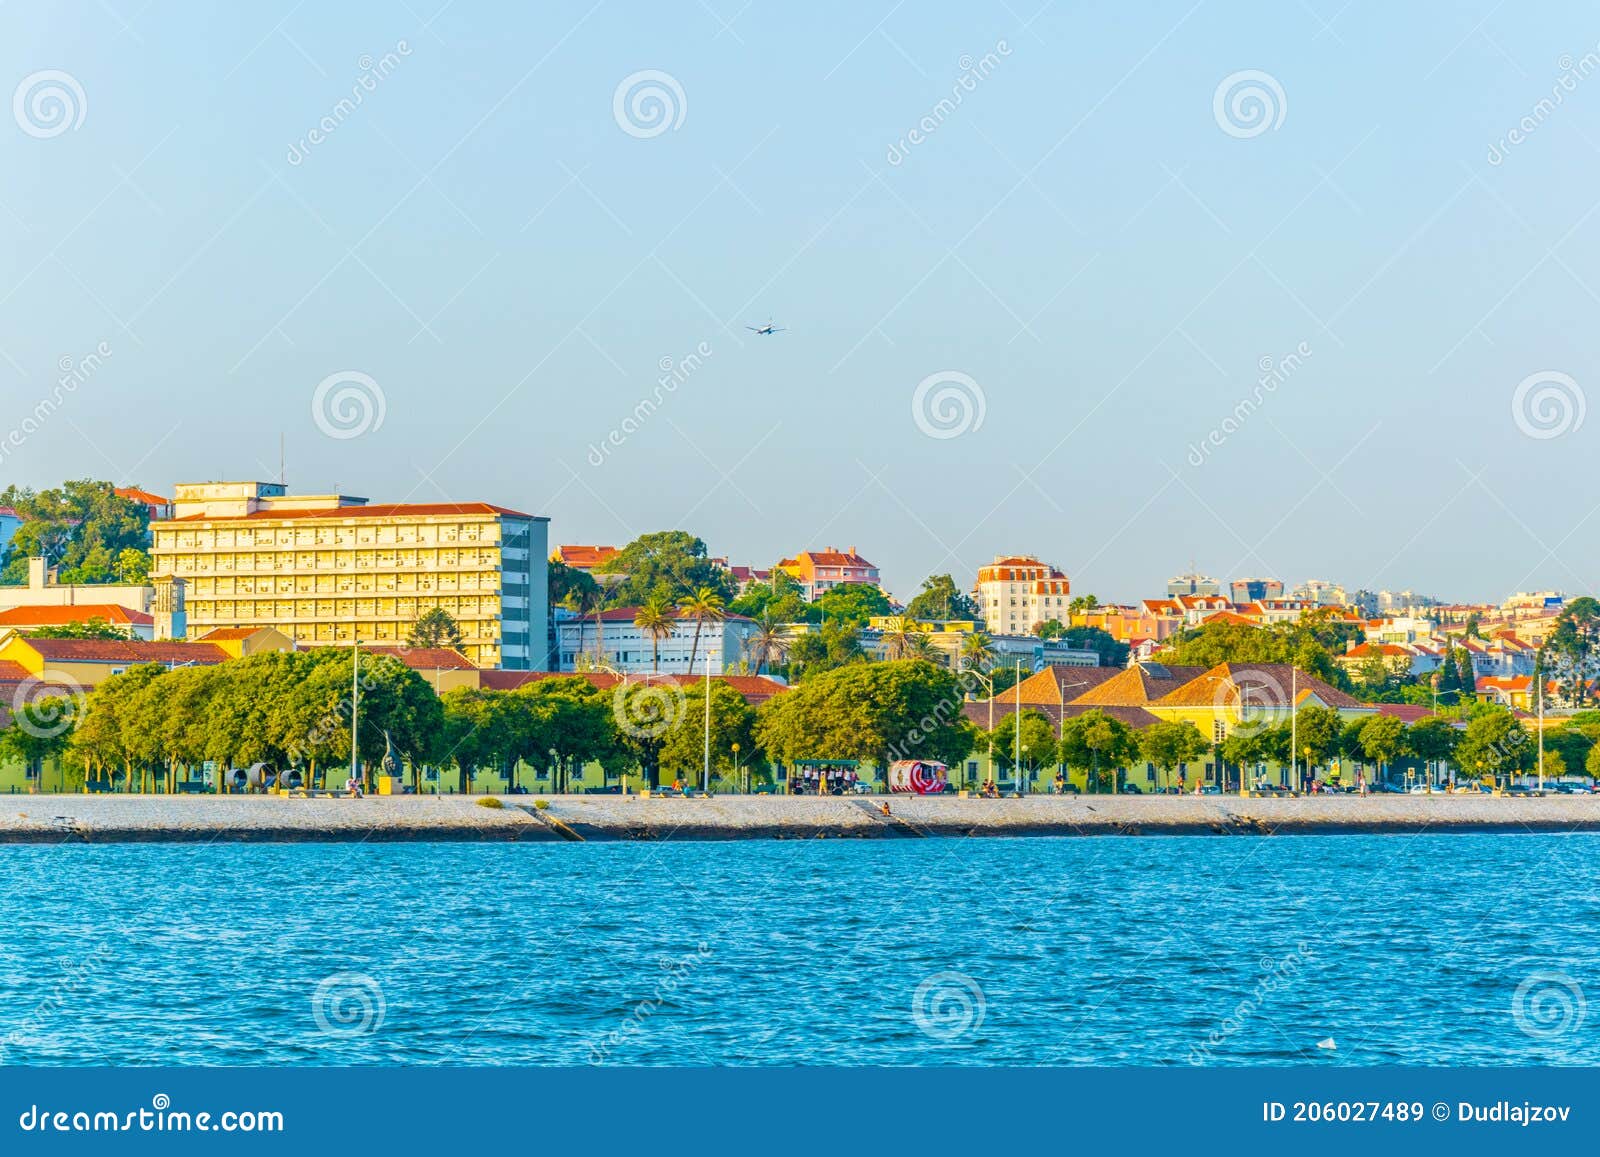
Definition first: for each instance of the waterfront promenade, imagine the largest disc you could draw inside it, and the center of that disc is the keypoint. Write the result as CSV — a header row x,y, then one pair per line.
x,y
203,819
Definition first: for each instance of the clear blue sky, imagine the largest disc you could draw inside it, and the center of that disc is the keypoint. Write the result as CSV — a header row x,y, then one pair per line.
x,y
1080,237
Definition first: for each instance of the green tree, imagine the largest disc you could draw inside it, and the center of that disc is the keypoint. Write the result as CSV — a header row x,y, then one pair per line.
x,y
1100,745
96,628
569,587
1317,735
1101,642
1432,740
1382,740
656,619
39,729
435,628
83,528
704,606
833,645
1036,742
851,603
1168,744
1495,744
869,711
977,652
1464,676
941,600
671,564
732,722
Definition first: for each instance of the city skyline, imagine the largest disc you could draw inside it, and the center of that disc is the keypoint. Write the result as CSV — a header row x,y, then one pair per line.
x,y
1239,302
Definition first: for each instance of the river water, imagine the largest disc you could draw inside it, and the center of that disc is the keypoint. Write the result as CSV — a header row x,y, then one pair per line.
x,y
1400,949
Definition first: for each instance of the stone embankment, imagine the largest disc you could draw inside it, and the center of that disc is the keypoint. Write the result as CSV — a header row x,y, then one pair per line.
x,y
260,819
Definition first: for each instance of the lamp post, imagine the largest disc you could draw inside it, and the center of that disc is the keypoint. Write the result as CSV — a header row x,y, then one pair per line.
x,y
1016,729
355,711
705,771
743,788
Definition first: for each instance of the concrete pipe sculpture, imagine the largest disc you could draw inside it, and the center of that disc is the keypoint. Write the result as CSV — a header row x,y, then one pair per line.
x,y
289,779
258,775
238,779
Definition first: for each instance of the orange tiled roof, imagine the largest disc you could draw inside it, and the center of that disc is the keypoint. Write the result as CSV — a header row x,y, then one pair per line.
x,y
585,557
230,634
125,651
13,672
425,658
1139,684
134,494
112,613
1262,684
390,510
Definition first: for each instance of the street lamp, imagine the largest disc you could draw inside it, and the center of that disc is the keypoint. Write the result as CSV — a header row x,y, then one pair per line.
x,y
743,788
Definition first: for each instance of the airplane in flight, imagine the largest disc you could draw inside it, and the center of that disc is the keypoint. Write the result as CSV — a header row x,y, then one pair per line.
x,y
766,330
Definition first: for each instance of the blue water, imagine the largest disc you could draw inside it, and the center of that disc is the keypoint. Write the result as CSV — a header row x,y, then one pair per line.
x,y
1400,949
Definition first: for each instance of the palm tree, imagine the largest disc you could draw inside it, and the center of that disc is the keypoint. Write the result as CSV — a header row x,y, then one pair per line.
x,y
656,618
922,648
768,642
899,639
977,652
705,605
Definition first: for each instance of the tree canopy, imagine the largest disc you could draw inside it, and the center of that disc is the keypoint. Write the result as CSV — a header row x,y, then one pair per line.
x,y
940,599
81,527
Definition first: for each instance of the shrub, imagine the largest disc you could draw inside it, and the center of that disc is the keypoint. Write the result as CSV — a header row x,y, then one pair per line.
x,y
541,804
490,801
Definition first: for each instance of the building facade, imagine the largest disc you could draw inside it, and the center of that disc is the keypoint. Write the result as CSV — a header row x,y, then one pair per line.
x,y
1018,592
820,570
611,641
331,568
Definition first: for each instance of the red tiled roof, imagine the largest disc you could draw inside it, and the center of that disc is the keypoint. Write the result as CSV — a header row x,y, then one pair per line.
x,y
1229,617
11,672
754,688
978,712
391,510
9,511
835,558
425,658
134,494
1056,683
584,557
125,651
112,613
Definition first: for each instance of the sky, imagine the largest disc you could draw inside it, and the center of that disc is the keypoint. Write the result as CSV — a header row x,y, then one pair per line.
x,y
1030,262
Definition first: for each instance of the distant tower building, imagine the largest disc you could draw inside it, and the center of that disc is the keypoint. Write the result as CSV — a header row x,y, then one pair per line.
x,y
1253,590
1193,583
172,622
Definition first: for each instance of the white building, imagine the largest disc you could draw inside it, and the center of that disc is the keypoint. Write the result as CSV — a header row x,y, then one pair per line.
x,y
1017,592
624,647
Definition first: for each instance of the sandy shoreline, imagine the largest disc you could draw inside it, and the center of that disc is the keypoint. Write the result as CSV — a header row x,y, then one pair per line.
x,y
260,819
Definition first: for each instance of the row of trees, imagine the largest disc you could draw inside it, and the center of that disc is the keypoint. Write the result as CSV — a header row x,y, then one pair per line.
x,y
81,527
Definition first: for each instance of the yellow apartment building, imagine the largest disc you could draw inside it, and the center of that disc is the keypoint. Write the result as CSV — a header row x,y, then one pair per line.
x,y
329,568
